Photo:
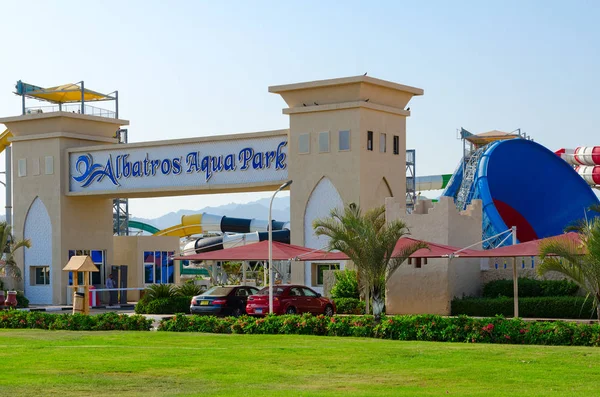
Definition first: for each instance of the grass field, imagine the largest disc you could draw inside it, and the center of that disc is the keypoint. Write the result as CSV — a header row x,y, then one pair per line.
x,y
62,363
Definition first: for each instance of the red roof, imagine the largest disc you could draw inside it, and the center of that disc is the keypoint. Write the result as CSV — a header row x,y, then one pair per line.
x,y
529,248
257,252
435,251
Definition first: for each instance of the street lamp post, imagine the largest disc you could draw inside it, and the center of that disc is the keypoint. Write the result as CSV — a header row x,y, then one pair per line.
x,y
288,183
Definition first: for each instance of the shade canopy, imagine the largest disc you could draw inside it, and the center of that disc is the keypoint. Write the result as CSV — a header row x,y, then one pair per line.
x,y
80,263
434,251
529,248
255,252
65,93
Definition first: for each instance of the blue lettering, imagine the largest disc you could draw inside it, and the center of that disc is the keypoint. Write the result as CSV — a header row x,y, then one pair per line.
x,y
269,157
192,162
205,167
137,169
117,168
257,161
126,167
245,156
280,158
165,167
155,164
217,164
177,166
230,162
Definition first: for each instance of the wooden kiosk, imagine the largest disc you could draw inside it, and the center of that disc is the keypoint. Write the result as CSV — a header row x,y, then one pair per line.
x,y
84,264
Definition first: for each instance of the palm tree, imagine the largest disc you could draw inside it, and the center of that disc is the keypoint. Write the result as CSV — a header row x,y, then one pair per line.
x,y
10,247
580,262
369,242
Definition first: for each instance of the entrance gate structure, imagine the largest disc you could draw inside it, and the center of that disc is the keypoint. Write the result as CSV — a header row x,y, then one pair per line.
x,y
345,143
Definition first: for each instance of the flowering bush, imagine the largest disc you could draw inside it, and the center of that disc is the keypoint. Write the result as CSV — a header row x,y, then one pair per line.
x,y
415,327
73,322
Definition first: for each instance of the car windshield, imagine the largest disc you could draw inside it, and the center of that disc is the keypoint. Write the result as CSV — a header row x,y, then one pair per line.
x,y
276,291
218,291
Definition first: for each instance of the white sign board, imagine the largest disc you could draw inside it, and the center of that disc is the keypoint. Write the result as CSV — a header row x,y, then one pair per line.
x,y
199,164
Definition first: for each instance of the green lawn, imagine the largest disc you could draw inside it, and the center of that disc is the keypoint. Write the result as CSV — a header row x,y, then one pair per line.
x,y
61,363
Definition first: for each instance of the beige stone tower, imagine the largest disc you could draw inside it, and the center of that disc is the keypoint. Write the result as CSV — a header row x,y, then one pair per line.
x,y
55,222
347,143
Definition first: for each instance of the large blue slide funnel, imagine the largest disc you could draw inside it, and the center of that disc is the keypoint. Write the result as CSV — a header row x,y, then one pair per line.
x,y
523,184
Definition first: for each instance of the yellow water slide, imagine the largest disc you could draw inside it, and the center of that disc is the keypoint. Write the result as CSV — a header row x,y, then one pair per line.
x,y
4,140
190,225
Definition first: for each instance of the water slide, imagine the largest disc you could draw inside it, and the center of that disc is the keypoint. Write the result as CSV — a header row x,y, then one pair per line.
x,y
235,231
523,184
143,226
586,160
4,140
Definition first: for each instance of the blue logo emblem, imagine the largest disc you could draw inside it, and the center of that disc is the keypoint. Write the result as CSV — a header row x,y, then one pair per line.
x,y
91,172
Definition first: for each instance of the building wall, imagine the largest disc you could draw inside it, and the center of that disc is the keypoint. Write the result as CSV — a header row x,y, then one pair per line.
x,y
431,288
75,223
361,176
129,251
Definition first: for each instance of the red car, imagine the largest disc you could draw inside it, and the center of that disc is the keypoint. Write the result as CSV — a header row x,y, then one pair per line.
x,y
289,299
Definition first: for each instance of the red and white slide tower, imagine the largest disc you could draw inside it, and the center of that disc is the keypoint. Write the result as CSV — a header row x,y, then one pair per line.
x,y
586,160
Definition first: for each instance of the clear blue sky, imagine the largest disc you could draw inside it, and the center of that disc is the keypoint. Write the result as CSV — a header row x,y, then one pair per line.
x,y
186,69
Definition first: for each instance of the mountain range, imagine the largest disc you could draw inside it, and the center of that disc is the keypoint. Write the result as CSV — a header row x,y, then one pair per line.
x,y
254,210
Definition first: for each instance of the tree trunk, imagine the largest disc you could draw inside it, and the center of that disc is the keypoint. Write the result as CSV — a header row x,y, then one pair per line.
x,y
598,306
367,301
378,302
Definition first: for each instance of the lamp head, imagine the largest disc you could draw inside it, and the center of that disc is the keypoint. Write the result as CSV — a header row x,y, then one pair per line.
x,y
288,183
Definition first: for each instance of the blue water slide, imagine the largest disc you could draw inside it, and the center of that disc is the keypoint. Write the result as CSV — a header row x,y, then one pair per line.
x,y
523,184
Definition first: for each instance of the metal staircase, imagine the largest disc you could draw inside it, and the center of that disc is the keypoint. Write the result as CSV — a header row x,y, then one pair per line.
x,y
465,193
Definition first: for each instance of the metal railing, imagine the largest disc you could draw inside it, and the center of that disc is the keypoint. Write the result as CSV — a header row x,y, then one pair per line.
x,y
72,108
100,296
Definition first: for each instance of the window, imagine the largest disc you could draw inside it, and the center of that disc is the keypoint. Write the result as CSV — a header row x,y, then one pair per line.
x,y
99,259
322,267
158,267
40,275
382,142
49,169
370,140
304,143
22,167
323,142
309,292
344,140
396,144
295,291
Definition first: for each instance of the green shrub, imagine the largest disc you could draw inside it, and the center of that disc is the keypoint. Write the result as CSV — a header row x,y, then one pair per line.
x,y
22,301
346,285
172,305
349,306
529,287
157,291
73,322
422,327
189,289
541,307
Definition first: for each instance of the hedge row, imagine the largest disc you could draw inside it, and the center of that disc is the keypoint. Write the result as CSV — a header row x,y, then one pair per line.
x,y
73,322
407,328
544,307
349,306
529,287
174,304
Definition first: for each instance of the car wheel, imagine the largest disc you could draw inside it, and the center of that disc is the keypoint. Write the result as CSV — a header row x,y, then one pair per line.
x,y
329,310
237,312
290,310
